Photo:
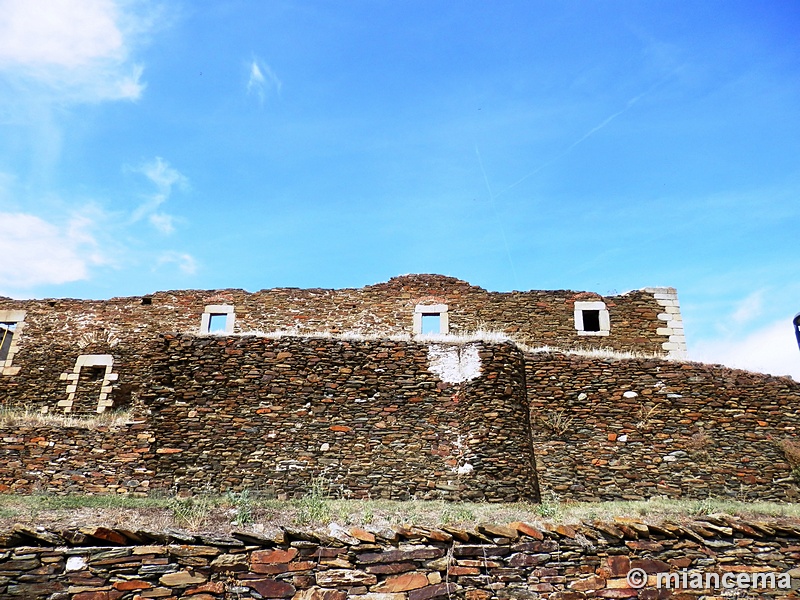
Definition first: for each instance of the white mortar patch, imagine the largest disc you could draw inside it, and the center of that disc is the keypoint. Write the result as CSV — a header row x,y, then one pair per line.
x,y
454,364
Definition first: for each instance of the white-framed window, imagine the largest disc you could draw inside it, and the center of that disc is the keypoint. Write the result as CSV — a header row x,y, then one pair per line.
x,y
431,319
591,318
11,322
217,318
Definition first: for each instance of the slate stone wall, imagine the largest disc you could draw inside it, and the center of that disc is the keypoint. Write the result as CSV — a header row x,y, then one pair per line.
x,y
57,331
370,418
519,560
609,429
276,416
62,460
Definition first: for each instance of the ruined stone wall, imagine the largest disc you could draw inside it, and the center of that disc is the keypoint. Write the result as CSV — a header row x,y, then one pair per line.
x,y
609,429
55,333
380,419
565,562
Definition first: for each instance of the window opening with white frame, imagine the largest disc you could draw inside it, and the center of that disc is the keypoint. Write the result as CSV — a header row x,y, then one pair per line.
x,y
6,337
218,318
592,318
431,319
11,322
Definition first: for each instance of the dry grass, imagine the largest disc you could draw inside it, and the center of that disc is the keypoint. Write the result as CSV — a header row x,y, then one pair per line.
x,y
791,450
590,352
28,417
224,513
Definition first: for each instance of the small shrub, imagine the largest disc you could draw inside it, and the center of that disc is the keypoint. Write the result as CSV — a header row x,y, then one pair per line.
x,y
550,505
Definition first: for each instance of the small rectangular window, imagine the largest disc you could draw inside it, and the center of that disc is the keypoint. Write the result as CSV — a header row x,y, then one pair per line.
x,y
431,323
591,320
6,335
217,323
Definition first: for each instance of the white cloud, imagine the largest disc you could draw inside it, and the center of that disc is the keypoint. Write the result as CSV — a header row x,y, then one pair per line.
x,y
77,50
162,222
749,308
771,349
262,80
185,262
41,253
165,178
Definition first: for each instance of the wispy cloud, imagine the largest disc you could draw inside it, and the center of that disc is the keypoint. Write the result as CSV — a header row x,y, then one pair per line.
x,y
45,253
748,309
185,262
771,349
71,50
262,80
165,178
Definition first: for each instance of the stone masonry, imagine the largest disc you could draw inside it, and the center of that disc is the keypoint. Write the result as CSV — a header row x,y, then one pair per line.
x,y
704,558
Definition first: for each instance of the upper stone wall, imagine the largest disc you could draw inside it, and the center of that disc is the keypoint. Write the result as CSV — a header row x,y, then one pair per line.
x,y
54,333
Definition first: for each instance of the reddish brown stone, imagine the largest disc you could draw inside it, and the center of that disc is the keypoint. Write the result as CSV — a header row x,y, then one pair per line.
x,y
618,565
401,583
271,588
273,556
133,584
432,591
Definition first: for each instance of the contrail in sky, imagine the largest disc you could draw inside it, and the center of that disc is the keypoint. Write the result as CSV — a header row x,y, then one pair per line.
x,y
588,134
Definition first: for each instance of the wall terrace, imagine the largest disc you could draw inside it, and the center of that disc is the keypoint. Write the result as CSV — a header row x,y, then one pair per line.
x,y
519,560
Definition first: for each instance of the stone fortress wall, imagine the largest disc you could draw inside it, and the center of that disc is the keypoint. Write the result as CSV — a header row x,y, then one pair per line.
x,y
347,392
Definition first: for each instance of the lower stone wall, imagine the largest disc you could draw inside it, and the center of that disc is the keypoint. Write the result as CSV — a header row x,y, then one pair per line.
x,y
361,419
611,429
379,419
100,460
619,559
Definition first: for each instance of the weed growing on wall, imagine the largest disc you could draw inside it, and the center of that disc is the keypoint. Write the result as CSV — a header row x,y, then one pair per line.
x,y
242,507
191,512
557,421
646,415
791,450
315,506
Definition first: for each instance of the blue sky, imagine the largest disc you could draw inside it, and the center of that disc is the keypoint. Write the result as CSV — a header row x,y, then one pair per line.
x,y
600,146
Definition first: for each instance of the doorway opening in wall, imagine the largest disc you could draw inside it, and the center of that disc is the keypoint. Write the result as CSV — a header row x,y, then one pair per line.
x,y
90,383
431,323
217,322
591,320
6,335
